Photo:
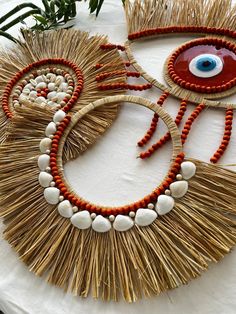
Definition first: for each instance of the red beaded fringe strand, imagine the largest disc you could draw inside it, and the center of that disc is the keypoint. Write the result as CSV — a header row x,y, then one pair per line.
x,y
226,137
166,137
154,122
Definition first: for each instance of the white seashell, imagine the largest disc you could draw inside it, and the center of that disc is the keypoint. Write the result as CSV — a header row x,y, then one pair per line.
x,y
53,77
59,116
33,94
33,82
61,95
63,87
26,91
39,79
179,188
29,86
51,95
65,209
123,223
145,217
164,204
60,79
22,97
43,161
51,103
41,85
45,179
45,144
101,224
81,220
51,86
188,169
50,129
40,100
51,195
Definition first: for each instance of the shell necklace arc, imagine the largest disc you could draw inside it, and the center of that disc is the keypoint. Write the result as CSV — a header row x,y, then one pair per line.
x,y
83,214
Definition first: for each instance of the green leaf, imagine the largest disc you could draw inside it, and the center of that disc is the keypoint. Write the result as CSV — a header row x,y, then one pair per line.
x,y
99,7
93,5
41,19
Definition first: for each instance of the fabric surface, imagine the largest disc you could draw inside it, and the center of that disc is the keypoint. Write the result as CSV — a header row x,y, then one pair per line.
x,y
110,174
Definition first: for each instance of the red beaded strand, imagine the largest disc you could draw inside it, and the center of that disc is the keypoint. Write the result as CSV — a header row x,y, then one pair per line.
x,y
226,137
124,86
154,122
111,47
189,122
104,75
166,137
182,29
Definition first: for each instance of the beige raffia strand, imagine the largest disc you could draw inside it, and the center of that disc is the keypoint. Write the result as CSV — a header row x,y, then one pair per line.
x,y
148,14
145,14
143,261
81,49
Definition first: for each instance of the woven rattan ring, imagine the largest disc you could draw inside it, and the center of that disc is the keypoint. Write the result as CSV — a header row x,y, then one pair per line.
x,y
74,201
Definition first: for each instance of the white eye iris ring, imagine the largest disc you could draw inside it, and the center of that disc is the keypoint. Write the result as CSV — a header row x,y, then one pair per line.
x,y
215,68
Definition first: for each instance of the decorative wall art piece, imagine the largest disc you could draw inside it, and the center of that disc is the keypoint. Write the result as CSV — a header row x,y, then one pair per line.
x,y
157,243
200,71
57,69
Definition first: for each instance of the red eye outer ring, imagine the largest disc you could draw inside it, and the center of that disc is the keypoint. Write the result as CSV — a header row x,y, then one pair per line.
x,y
194,87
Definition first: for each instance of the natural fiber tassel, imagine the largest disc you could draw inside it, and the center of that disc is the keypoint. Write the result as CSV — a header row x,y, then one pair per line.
x,y
142,261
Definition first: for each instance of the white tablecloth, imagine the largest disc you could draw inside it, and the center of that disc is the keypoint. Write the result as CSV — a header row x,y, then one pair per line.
x,y
119,177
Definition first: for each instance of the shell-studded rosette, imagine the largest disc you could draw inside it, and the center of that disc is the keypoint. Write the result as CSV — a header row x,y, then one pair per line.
x,y
58,70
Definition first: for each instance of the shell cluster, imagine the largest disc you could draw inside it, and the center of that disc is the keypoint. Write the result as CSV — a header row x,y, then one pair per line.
x,y
53,87
84,219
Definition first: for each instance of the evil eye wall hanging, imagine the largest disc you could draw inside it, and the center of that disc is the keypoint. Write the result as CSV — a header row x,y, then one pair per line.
x,y
201,71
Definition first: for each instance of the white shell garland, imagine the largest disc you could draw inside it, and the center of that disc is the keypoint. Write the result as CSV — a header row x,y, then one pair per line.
x,y
43,161
59,116
145,217
179,188
123,223
188,169
101,224
51,195
45,144
84,219
164,204
45,179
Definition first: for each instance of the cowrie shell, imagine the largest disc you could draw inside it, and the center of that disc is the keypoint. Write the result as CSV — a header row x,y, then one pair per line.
x,y
164,204
145,217
123,223
81,220
188,169
101,224
179,188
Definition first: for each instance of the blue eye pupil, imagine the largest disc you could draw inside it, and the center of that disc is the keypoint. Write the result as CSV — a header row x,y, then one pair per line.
x,y
206,64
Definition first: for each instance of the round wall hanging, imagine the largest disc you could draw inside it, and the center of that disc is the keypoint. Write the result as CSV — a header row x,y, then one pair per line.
x,y
57,70
141,249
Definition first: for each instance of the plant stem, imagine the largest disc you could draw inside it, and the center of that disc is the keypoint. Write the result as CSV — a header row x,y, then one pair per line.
x,y
17,9
19,19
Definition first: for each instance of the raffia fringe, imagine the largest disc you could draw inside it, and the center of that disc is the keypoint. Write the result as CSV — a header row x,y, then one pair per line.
x,y
84,51
176,248
145,14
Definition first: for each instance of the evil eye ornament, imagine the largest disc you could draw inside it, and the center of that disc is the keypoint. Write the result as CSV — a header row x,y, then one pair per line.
x,y
206,65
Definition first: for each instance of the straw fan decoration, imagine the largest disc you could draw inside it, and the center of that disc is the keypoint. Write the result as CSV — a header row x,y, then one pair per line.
x,y
57,69
201,71
141,249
